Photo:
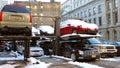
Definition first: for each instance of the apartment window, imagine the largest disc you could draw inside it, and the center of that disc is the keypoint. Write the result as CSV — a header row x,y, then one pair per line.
x,y
85,14
81,14
99,9
89,12
109,19
100,21
94,19
78,15
115,18
107,35
116,4
89,20
94,10
108,6
115,35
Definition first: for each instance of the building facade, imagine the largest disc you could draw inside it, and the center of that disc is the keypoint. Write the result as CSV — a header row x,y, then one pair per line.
x,y
104,13
43,12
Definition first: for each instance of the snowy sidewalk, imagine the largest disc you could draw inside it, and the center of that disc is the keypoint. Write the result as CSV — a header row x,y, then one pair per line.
x,y
9,54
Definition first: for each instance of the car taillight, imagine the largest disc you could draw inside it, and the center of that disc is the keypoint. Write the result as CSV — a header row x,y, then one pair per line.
x,y
30,18
0,16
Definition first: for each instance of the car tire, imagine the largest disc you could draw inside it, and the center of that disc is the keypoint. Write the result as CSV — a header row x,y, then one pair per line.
x,y
73,57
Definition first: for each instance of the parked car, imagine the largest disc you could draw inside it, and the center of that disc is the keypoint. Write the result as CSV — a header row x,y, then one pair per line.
x,y
15,19
104,49
46,30
117,44
77,50
77,26
36,51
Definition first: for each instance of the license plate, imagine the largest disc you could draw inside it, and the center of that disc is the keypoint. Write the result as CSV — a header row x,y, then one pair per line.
x,y
16,17
93,56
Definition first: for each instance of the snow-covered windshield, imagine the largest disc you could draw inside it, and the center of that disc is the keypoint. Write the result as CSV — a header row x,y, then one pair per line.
x,y
94,41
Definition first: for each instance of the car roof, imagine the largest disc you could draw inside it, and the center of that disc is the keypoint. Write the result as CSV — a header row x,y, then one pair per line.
x,y
15,5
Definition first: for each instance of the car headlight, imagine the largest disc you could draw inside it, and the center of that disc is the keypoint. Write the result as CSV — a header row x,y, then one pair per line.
x,y
80,52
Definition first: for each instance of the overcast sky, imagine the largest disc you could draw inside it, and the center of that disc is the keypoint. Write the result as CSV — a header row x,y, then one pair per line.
x,y
45,0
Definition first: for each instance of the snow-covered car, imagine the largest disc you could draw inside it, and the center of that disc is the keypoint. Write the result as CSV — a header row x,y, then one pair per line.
x,y
35,31
46,29
77,26
36,51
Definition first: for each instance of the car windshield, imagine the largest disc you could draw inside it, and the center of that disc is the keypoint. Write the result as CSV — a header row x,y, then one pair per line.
x,y
117,43
94,41
16,9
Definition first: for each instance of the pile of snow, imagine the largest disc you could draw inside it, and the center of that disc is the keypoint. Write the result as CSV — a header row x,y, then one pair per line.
x,y
35,31
8,66
46,28
84,65
34,63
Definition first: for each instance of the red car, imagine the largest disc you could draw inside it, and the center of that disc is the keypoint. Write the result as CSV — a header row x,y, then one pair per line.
x,y
77,26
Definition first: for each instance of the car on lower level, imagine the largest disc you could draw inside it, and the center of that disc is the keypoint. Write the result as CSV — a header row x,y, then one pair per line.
x,y
105,50
36,51
78,51
117,45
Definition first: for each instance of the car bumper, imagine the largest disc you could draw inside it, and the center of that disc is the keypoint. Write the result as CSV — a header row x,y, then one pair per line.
x,y
88,57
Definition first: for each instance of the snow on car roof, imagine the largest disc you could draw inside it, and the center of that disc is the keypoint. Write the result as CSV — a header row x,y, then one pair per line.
x,y
46,28
75,23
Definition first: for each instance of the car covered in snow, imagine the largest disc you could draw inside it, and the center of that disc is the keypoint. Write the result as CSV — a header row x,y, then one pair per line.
x,y
46,30
77,26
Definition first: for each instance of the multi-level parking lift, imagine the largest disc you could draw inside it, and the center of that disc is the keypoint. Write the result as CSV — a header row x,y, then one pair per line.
x,y
27,39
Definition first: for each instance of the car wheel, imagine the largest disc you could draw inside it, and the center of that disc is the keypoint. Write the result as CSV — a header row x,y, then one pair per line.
x,y
73,57
74,31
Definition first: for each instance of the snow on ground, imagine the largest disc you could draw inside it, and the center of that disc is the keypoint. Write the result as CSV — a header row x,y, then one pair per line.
x,y
84,65
8,66
81,64
34,63
111,59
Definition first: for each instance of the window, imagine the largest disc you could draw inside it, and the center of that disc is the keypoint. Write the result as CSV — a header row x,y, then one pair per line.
x,y
109,19
89,12
100,21
81,14
107,35
115,18
94,20
94,10
116,3
99,9
85,14
108,6
89,20
115,35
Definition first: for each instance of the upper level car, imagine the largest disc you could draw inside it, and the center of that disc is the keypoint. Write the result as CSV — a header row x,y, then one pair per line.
x,y
77,26
15,19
